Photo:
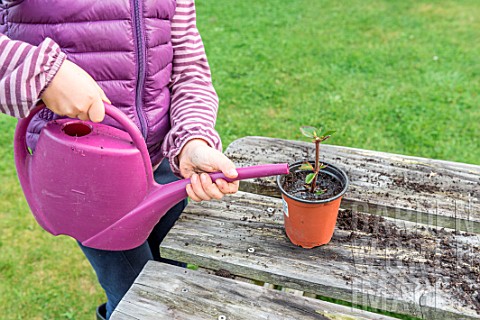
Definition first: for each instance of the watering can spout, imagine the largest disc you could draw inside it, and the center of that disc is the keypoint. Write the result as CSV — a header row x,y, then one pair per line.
x,y
79,181
132,226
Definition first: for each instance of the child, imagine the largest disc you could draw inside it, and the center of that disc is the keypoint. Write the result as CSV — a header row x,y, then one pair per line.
x,y
145,56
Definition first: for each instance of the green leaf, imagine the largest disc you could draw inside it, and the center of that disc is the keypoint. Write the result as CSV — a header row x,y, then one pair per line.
x,y
306,166
309,177
319,192
328,133
322,166
308,131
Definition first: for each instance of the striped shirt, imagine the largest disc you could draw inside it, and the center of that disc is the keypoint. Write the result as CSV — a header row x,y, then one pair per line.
x,y
26,70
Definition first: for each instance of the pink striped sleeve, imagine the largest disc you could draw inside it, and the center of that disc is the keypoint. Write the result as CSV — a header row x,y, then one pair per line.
x,y
25,71
194,104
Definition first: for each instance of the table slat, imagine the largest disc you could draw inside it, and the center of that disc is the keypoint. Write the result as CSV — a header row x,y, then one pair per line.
x,y
167,292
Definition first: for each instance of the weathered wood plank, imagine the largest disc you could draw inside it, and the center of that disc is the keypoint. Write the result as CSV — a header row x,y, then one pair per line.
x,y
387,264
417,189
167,292
121,315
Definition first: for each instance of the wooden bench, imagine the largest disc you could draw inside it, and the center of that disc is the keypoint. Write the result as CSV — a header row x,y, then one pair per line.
x,y
406,239
168,292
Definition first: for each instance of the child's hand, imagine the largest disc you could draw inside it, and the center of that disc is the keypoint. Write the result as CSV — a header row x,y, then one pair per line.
x,y
73,93
196,157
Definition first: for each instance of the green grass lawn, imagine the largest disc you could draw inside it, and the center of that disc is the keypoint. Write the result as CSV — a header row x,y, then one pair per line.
x,y
396,76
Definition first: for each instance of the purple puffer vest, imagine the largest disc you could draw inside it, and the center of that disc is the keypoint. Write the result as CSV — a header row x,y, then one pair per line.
x,y
125,45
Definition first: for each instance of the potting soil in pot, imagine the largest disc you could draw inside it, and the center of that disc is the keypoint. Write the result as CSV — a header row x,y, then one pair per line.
x,y
294,184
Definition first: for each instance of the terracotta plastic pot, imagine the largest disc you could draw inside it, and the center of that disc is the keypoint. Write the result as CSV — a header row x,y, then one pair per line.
x,y
311,223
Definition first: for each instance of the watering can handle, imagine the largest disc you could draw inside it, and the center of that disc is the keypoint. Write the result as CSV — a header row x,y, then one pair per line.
x,y
21,150
136,136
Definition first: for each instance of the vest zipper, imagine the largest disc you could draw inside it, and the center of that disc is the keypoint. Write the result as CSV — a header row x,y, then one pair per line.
x,y
140,47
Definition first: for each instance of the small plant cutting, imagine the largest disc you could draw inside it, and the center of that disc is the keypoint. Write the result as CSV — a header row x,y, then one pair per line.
x,y
311,178
311,195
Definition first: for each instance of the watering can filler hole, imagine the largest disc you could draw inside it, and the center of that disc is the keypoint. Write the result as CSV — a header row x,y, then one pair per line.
x,y
77,129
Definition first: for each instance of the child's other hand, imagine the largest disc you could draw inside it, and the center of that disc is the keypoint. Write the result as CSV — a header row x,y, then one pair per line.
x,y
197,157
73,93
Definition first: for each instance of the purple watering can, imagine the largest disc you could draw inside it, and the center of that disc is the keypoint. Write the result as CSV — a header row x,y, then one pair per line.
x,y
95,183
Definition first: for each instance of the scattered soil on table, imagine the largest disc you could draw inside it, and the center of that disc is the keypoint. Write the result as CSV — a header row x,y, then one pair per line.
x,y
448,264
224,273
417,187
294,184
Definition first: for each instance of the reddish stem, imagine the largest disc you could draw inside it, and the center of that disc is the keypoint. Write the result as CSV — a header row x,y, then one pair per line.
x,y
317,165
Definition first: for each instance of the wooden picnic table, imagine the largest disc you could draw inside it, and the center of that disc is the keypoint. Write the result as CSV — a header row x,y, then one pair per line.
x,y
406,242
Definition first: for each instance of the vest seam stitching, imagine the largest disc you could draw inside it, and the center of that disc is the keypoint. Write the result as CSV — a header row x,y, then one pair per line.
x,y
161,44
102,51
160,70
68,22
114,80
84,21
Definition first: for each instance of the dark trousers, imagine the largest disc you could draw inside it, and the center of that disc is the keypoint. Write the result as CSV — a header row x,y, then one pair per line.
x,y
117,270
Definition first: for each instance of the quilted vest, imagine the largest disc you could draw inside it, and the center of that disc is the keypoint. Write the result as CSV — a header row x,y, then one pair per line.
x,y
125,45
